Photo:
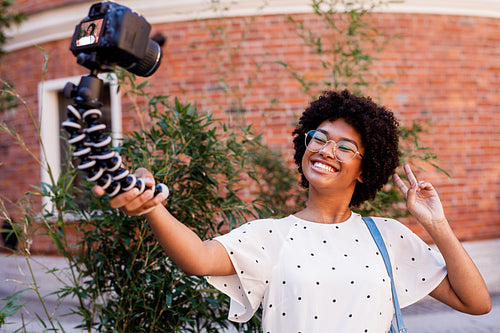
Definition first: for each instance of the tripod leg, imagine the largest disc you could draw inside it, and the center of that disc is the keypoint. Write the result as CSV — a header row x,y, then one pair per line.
x,y
102,165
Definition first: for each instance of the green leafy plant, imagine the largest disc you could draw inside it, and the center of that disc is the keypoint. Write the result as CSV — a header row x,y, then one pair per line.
x,y
205,164
11,305
118,273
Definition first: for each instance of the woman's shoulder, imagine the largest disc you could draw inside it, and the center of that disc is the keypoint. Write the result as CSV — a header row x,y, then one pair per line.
x,y
391,226
387,222
392,229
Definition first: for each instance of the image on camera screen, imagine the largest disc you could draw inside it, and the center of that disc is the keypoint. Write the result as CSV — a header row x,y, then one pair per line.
x,y
89,32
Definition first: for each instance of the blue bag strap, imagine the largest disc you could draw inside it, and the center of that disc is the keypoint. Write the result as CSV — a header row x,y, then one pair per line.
x,y
377,237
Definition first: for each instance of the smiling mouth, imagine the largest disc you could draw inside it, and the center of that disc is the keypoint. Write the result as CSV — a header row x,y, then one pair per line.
x,y
324,167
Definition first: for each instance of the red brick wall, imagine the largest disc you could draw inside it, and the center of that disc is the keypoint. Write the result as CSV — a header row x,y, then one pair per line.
x,y
446,70
34,6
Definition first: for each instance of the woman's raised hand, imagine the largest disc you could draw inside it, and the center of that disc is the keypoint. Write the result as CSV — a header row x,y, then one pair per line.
x,y
422,200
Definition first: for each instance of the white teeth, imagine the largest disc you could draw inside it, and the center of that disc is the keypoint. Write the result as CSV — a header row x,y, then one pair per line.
x,y
324,167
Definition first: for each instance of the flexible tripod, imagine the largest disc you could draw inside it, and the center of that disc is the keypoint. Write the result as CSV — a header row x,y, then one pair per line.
x,y
92,154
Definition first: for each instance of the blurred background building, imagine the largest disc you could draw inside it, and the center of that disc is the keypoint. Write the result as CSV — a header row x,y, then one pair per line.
x,y
229,56
445,67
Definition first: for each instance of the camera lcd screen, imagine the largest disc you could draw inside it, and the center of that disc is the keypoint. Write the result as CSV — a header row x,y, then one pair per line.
x,y
89,33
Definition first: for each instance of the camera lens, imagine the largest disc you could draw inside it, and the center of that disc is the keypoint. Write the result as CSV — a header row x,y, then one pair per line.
x,y
149,63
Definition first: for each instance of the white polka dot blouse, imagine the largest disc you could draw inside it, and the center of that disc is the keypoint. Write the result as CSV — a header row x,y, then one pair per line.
x,y
314,278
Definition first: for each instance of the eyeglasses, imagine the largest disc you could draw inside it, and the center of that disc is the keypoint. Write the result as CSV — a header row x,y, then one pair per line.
x,y
344,151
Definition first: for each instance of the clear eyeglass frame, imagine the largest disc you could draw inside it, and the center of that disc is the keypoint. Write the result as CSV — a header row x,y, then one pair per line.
x,y
343,150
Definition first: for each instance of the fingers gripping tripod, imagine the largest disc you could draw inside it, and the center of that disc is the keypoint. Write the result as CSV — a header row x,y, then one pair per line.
x,y
92,154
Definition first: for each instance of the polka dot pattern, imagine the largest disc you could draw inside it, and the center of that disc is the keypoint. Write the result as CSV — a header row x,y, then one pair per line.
x,y
313,277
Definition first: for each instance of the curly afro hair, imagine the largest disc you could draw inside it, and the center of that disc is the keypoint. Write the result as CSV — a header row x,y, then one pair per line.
x,y
379,135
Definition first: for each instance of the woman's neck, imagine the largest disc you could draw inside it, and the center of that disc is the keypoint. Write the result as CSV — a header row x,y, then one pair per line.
x,y
328,210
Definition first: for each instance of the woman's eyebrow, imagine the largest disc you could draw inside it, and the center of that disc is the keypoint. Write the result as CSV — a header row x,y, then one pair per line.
x,y
341,139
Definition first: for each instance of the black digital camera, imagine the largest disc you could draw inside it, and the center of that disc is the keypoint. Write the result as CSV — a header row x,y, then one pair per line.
x,y
112,35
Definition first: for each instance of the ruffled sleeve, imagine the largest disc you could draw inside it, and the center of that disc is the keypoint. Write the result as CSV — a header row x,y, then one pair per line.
x,y
418,269
251,248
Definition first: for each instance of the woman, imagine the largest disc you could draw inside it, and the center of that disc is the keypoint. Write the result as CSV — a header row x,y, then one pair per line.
x,y
88,36
319,270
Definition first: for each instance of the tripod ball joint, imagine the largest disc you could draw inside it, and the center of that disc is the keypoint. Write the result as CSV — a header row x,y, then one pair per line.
x,y
162,188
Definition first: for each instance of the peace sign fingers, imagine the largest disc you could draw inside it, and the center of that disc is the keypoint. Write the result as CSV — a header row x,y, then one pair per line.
x,y
401,184
422,199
